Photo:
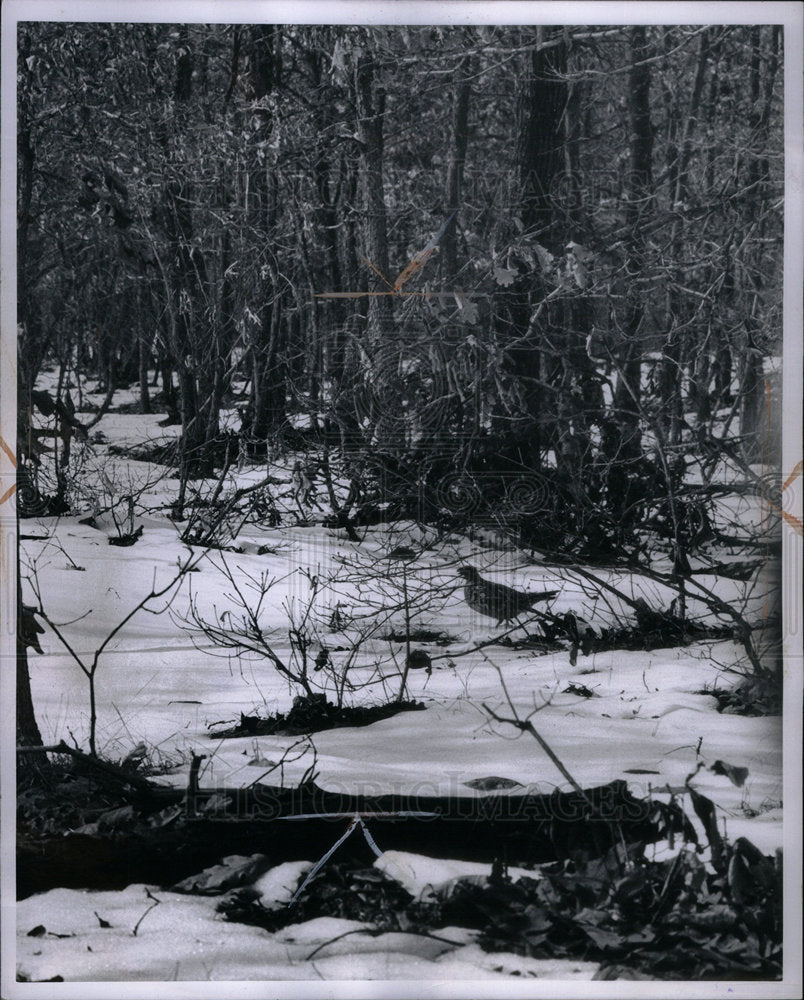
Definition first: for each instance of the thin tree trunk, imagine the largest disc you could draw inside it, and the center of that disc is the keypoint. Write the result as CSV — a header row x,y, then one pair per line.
x,y
186,274
269,375
540,161
640,199
143,353
30,766
671,369
753,386
457,161
370,106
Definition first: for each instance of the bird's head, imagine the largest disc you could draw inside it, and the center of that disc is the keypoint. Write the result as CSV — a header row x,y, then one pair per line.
x,y
468,573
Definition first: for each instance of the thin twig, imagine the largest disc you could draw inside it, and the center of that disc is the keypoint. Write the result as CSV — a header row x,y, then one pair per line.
x,y
156,903
525,726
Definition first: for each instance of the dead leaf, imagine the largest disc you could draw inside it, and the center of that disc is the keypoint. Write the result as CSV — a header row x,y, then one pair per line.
x,y
736,775
546,259
466,306
504,276
580,251
235,871
579,272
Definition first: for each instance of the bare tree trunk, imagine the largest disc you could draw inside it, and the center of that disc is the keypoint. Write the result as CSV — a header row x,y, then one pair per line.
x,y
186,274
671,369
640,202
144,337
540,160
457,160
370,103
268,363
30,766
752,378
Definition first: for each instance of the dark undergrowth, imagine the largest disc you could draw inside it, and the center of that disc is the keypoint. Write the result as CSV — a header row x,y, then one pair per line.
x,y
754,696
659,632
435,636
672,919
666,636
69,799
679,918
314,715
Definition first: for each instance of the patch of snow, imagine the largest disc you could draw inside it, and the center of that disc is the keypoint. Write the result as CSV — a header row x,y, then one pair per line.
x,y
278,884
507,963
421,876
205,947
318,929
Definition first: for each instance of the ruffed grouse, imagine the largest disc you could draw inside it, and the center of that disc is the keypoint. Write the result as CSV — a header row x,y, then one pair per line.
x,y
495,600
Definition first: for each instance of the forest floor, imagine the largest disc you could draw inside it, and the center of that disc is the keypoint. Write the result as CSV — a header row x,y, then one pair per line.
x,y
649,717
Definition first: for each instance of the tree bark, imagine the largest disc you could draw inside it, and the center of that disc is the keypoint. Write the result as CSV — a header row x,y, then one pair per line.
x,y
187,274
143,353
457,161
370,106
30,766
752,378
640,201
539,162
672,363
268,362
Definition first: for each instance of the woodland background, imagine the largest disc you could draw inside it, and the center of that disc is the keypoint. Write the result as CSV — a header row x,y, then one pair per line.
x,y
611,281
323,315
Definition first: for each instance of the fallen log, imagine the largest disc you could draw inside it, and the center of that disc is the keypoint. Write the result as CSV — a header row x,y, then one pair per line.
x,y
522,828
167,834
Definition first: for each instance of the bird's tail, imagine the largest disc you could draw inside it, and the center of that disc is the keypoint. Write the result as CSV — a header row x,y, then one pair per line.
x,y
546,595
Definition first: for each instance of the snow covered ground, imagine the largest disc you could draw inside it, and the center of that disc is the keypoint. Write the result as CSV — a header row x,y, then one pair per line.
x,y
649,710
650,720
206,948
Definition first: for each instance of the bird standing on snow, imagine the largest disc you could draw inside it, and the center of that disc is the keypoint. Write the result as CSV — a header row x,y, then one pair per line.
x,y
495,600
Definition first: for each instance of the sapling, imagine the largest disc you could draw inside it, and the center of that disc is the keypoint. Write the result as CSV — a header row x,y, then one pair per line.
x,y
89,665
240,628
389,588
